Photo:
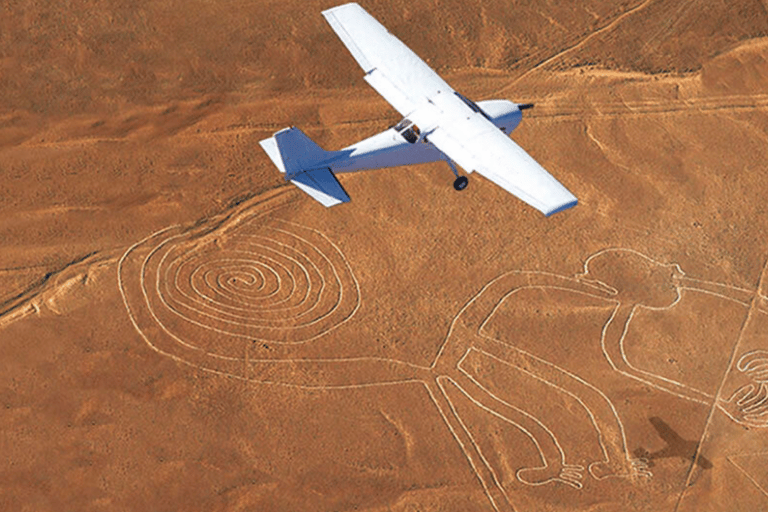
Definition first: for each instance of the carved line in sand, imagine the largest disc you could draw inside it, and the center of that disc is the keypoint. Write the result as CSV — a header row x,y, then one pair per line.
x,y
242,270
257,287
748,406
207,293
748,477
466,336
750,400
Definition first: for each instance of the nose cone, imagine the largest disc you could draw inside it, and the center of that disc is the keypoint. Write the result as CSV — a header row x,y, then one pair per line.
x,y
504,114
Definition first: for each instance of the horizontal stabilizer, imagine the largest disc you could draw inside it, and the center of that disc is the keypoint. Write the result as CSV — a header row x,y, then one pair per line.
x,y
322,185
298,151
270,147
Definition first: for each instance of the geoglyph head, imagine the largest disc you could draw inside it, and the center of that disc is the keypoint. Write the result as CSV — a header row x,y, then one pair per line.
x,y
633,277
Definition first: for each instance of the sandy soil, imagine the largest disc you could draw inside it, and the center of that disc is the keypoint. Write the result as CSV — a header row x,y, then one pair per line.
x,y
181,330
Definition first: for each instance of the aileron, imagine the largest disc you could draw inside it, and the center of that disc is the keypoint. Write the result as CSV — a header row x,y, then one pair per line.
x,y
337,18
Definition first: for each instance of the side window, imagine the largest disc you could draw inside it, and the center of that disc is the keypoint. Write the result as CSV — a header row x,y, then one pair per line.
x,y
402,124
408,130
411,134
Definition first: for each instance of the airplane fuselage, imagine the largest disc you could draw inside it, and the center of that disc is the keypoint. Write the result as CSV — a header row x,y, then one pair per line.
x,y
391,149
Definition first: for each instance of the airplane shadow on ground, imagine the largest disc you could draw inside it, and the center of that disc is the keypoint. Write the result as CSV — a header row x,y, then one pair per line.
x,y
677,447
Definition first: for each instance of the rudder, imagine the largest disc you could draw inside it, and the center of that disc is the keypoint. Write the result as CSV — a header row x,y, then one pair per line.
x,y
292,151
305,164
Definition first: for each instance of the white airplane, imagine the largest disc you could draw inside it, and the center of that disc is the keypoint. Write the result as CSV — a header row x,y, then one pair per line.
x,y
438,124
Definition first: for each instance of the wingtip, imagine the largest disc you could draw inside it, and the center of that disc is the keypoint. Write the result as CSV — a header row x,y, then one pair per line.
x,y
563,207
349,5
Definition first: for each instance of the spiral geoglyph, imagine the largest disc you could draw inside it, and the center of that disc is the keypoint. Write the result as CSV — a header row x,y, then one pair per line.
x,y
208,291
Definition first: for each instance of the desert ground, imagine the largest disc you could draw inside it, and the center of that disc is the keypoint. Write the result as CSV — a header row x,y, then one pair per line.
x,y
181,329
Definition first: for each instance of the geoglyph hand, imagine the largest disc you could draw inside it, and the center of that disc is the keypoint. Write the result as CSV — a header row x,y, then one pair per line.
x,y
748,405
755,366
569,474
630,468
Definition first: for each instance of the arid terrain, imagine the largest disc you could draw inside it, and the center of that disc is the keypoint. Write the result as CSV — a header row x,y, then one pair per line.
x,y
181,329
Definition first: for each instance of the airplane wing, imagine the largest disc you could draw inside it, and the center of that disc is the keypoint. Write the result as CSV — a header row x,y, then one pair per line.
x,y
476,144
398,74
450,124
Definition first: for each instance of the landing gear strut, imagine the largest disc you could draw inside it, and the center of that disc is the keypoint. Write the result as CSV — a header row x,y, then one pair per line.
x,y
461,182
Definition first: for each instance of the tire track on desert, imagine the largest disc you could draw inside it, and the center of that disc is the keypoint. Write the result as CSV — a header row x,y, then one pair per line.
x,y
577,44
658,107
545,110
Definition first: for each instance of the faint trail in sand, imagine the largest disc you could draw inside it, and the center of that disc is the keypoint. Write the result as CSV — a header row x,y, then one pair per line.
x,y
656,107
671,21
733,103
748,477
577,44
224,131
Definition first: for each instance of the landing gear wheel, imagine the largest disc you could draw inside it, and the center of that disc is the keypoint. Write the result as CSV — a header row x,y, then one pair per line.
x,y
461,183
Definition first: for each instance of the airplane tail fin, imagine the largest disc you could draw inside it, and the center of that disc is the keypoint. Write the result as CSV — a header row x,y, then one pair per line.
x,y
304,164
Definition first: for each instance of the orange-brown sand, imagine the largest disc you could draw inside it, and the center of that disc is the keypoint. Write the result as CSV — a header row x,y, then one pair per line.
x,y
182,330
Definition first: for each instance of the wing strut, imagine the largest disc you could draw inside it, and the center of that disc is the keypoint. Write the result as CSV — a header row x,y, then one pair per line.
x,y
453,167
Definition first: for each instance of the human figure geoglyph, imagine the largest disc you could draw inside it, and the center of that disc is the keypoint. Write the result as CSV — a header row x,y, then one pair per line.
x,y
315,267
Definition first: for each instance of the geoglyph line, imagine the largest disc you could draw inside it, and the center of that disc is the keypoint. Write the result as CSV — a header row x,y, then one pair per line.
x,y
230,286
570,474
213,311
275,316
749,477
210,306
493,488
588,411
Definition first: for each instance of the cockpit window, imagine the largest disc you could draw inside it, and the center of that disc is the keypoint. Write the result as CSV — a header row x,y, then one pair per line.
x,y
402,124
471,104
408,130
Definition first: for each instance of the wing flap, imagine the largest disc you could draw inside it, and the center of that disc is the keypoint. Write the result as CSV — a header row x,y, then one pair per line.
x,y
322,186
390,91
